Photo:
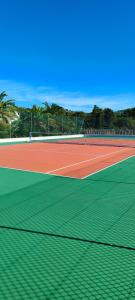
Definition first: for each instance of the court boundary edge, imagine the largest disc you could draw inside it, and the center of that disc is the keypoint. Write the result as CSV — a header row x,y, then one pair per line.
x,y
103,169
64,176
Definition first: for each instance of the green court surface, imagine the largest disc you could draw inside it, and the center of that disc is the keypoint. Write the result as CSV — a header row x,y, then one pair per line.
x,y
63,238
11,143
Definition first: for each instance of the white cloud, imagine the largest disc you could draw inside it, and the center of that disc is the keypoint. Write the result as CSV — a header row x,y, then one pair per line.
x,y
24,93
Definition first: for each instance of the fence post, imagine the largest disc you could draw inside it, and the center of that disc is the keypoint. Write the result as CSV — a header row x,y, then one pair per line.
x,y
62,123
76,124
10,129
48,122
31,122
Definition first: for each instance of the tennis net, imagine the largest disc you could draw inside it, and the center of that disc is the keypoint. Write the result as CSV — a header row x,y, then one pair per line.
x,y
116,141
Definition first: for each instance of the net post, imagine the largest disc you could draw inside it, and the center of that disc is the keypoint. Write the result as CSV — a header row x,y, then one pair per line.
x,y
30,136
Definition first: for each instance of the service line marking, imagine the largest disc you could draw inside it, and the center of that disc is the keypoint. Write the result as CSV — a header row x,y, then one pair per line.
x,y
87,160
58,175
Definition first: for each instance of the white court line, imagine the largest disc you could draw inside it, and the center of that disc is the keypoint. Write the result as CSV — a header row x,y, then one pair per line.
x,y
57,175
108,166
87,160
51,172
37,172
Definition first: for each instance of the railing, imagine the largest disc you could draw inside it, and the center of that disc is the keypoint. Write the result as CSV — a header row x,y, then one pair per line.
x,y
111,132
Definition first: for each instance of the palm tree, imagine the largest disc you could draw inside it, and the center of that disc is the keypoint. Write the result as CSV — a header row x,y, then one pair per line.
x,y
7,108
36,109
47,107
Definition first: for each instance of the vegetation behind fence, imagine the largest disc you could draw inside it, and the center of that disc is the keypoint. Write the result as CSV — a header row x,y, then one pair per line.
x,y
54,119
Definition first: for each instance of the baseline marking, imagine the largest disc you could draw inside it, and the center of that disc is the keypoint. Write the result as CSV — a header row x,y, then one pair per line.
x,y
37,172
72,177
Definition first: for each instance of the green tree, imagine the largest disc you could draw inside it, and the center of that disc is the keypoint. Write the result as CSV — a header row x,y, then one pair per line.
x,y
7,108
46,107
96,118
108,118
130,112
22,126
121,122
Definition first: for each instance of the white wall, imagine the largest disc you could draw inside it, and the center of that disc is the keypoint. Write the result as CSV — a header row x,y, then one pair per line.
x,y
27,139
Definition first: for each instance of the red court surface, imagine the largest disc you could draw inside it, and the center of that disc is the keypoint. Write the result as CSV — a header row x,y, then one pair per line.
x,y
77,161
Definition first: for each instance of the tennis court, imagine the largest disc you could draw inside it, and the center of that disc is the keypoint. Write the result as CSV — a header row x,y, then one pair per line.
x,y
77,158
67,219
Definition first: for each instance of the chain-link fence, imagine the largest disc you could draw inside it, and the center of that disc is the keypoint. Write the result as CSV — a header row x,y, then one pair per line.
x,y
44,123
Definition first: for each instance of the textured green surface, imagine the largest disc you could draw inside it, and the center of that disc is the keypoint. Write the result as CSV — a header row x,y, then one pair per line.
x,y
100,208
39,267
11,143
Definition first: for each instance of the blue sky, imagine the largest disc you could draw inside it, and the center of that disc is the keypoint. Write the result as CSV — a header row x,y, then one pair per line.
x,y
75,53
